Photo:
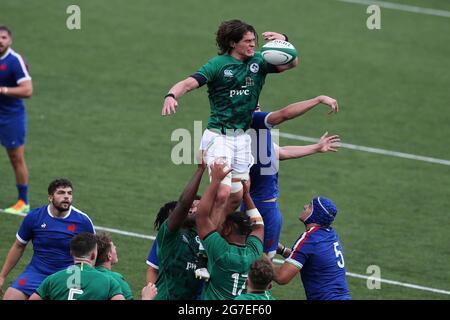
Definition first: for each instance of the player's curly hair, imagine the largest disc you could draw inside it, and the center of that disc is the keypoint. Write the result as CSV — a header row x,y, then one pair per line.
x,y
58,183
164,212
232,31
260,274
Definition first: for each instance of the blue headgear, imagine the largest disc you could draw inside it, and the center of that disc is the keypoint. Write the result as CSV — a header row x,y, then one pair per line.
x,y
323,212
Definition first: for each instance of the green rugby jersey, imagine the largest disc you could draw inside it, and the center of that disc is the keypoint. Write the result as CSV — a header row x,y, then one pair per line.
x,y
126,290
177,254
228,265
234,87
264,295
78,282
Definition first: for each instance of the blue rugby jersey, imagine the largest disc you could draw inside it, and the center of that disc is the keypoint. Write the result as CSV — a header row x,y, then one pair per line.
x,y
13,71
51,237
318,253
264,173
152,259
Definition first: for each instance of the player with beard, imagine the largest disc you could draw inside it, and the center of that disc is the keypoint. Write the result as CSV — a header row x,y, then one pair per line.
x,y
50,228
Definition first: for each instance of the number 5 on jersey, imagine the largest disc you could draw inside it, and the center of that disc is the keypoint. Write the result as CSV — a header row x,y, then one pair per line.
x,y
339,255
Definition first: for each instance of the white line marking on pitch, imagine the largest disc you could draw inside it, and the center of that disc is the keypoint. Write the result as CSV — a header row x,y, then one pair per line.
x,y
403,7
350,274
371,150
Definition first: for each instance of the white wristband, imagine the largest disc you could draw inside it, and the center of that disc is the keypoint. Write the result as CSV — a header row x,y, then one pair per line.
x,y
255,216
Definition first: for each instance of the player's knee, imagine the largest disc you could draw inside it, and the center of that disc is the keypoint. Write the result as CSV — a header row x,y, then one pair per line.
x,y
17,159
223,195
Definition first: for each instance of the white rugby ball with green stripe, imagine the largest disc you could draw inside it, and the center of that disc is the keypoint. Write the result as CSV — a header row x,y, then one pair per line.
x,y
278,52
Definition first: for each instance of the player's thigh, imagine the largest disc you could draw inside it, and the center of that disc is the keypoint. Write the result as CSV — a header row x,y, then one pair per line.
x,y
272,227
216,146
14,294
13,132
243,158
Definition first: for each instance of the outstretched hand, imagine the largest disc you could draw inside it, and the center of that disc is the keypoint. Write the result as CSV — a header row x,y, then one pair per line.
x,y
219,169
329,143
332,103
170,106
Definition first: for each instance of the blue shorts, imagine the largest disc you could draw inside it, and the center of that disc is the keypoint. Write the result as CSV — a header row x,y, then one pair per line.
x,y
13,131
270,212
29,280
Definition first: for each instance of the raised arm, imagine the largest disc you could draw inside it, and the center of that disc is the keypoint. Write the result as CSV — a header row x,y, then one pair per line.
x,y
252,211
326,144
283,274
178,215
205,224
179,89
298,108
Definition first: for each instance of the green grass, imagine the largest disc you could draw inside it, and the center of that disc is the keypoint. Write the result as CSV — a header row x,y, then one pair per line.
x,y
94,118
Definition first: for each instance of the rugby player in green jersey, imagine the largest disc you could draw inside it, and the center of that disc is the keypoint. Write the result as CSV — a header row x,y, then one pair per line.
x,y
232,247
106,258
235,78
80,281
178,247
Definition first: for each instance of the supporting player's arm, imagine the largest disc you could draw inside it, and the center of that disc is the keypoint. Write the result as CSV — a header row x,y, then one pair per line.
x,y
177,217
326,144
298,108
14,255
253,213
179,89
283,274
151,275
204,221
23,90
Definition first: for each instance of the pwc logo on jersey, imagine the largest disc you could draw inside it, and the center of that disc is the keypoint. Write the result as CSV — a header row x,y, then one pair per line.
x,y
71,227
242,92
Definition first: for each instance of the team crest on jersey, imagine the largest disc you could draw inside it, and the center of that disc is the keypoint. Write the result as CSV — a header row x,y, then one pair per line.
x,y
3,67
254,67
249,82
227,73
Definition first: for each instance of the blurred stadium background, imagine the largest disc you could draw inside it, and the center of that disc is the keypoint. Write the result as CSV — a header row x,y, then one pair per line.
x,y
95,118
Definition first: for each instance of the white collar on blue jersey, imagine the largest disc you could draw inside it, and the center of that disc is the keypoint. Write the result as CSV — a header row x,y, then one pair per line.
x,y
65,217
6,53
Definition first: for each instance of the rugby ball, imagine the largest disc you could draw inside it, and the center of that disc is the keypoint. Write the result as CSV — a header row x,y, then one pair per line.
x,y
278,52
